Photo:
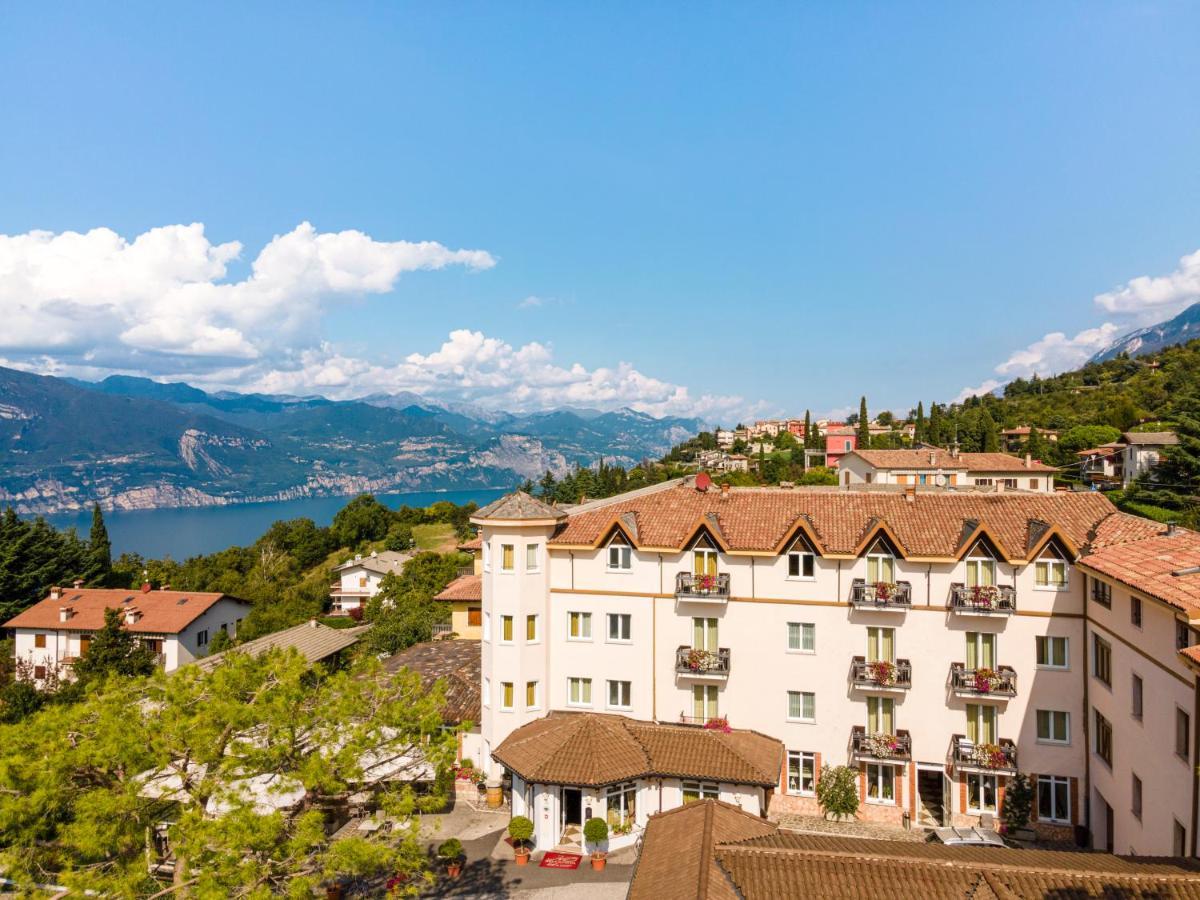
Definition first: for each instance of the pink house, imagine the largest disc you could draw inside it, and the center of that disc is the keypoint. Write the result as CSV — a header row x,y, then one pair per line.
x,y
839,440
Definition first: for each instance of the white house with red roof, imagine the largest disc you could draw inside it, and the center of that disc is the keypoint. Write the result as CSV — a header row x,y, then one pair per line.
x,y
176,625
933,466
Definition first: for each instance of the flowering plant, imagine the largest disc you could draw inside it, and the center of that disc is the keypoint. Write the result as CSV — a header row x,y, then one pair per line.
x,y
721,724
984,595
881,746
624,827
703,660
882,672
990,756
705,583
884,590
986,680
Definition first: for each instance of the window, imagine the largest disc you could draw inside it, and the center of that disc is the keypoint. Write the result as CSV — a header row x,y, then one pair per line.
x,y
981,566
620,555
39,673
621,804
1102,660
1135,612
704,557
1051,652
620,694
531,695
981,723
1104,741
704,634
881,644
1179,839
474,616
507,553
802,561
981,793
506,629
1101,593
620,626
881,563
699,790
1053,726
881,783
201,640
1135,797
1183,733
531,557
39,641
487,626
579,626
981,650
802,706
1050,570
531,629
506,695
802,637
1054,798
1136,698
487,557
579,692
983,482
704,702
487,691
802,773
362,581
1033,484
881,715
1183,636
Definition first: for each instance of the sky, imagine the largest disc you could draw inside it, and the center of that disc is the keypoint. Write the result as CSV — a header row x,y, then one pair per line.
x,y
720,210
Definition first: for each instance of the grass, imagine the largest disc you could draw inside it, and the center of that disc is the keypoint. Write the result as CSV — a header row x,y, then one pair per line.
x,y
438,537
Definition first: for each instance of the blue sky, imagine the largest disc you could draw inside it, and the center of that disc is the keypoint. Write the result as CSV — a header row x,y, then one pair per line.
x,y
751,207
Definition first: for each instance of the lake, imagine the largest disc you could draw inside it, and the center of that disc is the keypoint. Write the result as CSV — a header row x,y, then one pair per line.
x,y
180,533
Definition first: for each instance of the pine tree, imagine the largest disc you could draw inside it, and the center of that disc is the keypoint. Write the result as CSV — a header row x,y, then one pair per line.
x,y
99,551
114,650
919,428
1037,446
864,425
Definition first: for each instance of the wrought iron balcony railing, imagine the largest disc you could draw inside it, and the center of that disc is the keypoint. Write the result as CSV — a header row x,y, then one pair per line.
x,y
702,663
998,757
881,594
702,587
881,674
878,745
998,682
983,598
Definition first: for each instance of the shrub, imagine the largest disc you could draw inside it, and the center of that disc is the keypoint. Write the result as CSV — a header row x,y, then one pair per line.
x,y
450,849
1018,803
837,791
595,831
467,763
520,829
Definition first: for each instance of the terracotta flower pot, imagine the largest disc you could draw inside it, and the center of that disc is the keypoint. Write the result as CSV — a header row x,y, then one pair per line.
x,y
521,855
598,862
454,869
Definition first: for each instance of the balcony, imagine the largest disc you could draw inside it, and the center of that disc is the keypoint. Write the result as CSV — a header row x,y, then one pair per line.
x,y
880,676
998,682
894,596
709,665
712,723
969,756
887,747
702,588
983,600
441,629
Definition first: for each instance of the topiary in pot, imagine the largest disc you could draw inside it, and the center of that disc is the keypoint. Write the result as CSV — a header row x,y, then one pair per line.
x,y
595,832
450,851
520,829
837,791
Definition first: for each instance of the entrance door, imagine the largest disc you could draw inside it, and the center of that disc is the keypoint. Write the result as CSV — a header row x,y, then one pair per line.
x,y
572,807
932,795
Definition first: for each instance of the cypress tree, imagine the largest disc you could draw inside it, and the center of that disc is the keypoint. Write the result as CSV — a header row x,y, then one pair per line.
x,y
808,430
919,427
933,430
99,551
864,425
989,440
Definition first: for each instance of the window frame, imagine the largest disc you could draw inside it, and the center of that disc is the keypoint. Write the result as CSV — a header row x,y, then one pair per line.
x,y
811,697
1183,734
508,629
508,696
802,553
1052,558
1053,716
508,552
628,689
1101,593
799,757
1135,795
877,781
624,555
1055,782
702,790
536,703
1102,650
1183,635
1102,740
533,623
537,559
619,617
1135,611
585,686
802,626
1047,641
584,618
39,640
1137,697
983,778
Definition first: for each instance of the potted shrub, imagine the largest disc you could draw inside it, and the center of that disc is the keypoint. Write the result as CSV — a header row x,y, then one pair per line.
x,y
595,832
520,829
837,791
883,673
450,852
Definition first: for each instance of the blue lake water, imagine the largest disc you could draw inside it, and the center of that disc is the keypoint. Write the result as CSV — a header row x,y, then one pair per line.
x,y
180,533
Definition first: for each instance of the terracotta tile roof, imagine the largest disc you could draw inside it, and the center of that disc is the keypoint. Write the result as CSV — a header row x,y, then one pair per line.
x,y
314,641
592,749
1166,438
475,543
1138,553
518,505
459,662
927,523
943,459
464,587
162,612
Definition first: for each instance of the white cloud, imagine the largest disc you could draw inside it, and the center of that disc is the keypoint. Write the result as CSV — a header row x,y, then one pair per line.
x,y
1155,298
532,302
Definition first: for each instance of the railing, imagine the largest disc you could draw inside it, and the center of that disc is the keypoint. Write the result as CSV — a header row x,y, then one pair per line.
x,y
702,587
441,628
881,594
875,745
998,682
464,570
984,598
702,663
716,723
1000,756
881,674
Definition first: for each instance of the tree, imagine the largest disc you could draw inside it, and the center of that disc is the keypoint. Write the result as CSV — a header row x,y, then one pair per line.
x,y
822,475
362,519
81,785
404,612
1037,446
399,538
99,551
989,438
1018,803
547,487
837,791
810,436
114,650
1175,482
919,427
934,433
864,426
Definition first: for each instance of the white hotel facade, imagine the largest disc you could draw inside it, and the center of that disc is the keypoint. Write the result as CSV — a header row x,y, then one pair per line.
x,y
937,641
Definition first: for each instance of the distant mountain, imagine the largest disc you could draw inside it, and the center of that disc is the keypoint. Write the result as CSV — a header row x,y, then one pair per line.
x,y
1181,329
134,443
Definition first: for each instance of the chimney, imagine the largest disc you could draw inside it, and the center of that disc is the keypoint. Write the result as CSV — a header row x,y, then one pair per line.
x,y
910,493
145,587
786,485
725,488
77,583
932,457
312,623
999,485
1171,528
1028,460
132,614
65,613
56,593
164,587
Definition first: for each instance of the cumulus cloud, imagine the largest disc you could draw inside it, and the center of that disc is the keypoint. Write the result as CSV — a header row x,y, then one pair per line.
x,y
1154,298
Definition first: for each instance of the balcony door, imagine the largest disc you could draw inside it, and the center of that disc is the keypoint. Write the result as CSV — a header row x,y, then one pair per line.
x,y
704,634
881,715
881,564
704,557
981,566
704,702
981,723
881,644
981,650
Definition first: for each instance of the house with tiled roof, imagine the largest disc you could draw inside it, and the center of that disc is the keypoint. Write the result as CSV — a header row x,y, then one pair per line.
x,y
463,599
1143,451
177,625
933,466
360,578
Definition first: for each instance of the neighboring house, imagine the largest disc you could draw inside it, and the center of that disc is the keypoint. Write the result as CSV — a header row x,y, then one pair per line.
x,y
457,664
725,438
711,850
314,641
1102,465
935,641
359,579
1143,450
839,440
1016,438
736,462
176,625
464,595
934,466
568,767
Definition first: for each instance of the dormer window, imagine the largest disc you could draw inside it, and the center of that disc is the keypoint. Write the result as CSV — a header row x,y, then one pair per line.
x,y
881,563
704,557
802,559
620,554
981,566
1050,570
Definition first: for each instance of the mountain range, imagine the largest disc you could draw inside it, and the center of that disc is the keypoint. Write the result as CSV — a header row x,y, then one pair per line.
x,y
133,443
1182,328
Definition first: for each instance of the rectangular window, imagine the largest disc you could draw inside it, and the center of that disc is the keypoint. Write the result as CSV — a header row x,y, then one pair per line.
x,y
620,694
1101,593
1104,738
1050,573
506,695
802,706
1135,797
801,565
1053,726
506,629
802,637
981,723
1183,733
507,554
1102,660
531,629
531,557
1054,798
1183,636
881,715
981,793
704,634
700,790
981,650
620,557
620,626
881,644
39,641
579,626
1179,839
704,702
39,673
1136,698
802,773
579,692
531,695
1135,612
1051,652
201,639
474,617
881,783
